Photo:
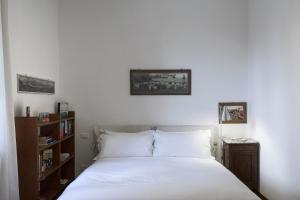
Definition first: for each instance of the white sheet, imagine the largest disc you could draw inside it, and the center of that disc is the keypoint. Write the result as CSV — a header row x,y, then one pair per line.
x,y
157,179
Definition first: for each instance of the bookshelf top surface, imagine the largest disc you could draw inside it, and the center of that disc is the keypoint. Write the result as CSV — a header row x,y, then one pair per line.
x,y
55,118
41,124
54,121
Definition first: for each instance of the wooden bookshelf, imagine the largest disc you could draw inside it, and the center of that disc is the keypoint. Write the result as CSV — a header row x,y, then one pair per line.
x,y
34,184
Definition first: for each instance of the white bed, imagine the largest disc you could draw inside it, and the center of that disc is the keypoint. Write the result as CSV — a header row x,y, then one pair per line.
x,y
151,178
157,178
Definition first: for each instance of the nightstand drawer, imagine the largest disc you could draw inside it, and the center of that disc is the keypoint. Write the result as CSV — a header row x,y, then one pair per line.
x,y
245,147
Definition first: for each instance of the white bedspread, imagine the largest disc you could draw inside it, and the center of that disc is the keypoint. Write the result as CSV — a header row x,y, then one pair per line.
x,y
157,179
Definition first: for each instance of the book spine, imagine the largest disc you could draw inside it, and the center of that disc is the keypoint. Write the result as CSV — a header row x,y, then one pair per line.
x,y
66,127
39,166
70,128
61,131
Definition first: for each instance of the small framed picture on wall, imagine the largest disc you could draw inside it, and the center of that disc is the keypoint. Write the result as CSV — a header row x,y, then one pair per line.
x,y
233,113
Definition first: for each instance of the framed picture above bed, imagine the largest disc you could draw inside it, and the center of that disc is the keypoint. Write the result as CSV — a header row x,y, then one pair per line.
x,y
233,113
160,82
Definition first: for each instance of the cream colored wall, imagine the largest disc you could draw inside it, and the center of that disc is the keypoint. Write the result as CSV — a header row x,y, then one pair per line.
x,y
274,64
33,50
102,40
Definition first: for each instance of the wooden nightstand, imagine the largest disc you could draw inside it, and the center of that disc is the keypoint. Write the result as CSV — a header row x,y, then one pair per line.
x,y
242,159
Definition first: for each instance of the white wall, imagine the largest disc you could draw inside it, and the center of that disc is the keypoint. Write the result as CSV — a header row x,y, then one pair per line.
x,y
274,93
101,40
32,33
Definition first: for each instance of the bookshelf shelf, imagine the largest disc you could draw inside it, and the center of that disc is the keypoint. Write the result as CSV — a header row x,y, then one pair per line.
x,y
51,194
52,170
48,172
67,160
67,118
40,124
43,147
63,186
67,137
34,184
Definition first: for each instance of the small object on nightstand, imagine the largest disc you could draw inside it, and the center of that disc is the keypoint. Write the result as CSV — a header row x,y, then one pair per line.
x,y
241,157
238,140
243,139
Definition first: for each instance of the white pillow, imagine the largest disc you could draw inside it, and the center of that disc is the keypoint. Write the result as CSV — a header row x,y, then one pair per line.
x,y
182,144
115,132
99,131
126,145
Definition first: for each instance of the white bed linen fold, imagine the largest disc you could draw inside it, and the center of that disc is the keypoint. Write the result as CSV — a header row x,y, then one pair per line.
x,y
150,178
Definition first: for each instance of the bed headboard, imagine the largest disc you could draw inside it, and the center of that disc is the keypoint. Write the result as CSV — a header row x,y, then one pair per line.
x,y
215,141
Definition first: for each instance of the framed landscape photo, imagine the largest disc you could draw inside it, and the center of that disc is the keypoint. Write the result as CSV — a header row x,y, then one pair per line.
x,y
27,84
233,113
160,82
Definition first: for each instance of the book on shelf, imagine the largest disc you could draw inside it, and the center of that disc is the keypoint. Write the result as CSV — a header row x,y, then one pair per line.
x,y
69,128
46,160
65,129
61,130
44,117
39,166
45,140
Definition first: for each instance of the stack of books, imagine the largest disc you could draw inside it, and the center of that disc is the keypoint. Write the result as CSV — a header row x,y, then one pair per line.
x,y
45,140
46,160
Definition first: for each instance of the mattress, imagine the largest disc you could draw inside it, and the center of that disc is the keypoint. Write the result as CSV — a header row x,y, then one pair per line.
x,y
157,178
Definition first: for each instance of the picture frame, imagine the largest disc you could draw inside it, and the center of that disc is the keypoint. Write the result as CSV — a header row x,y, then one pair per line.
x,y
233,112
28,84
160,82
